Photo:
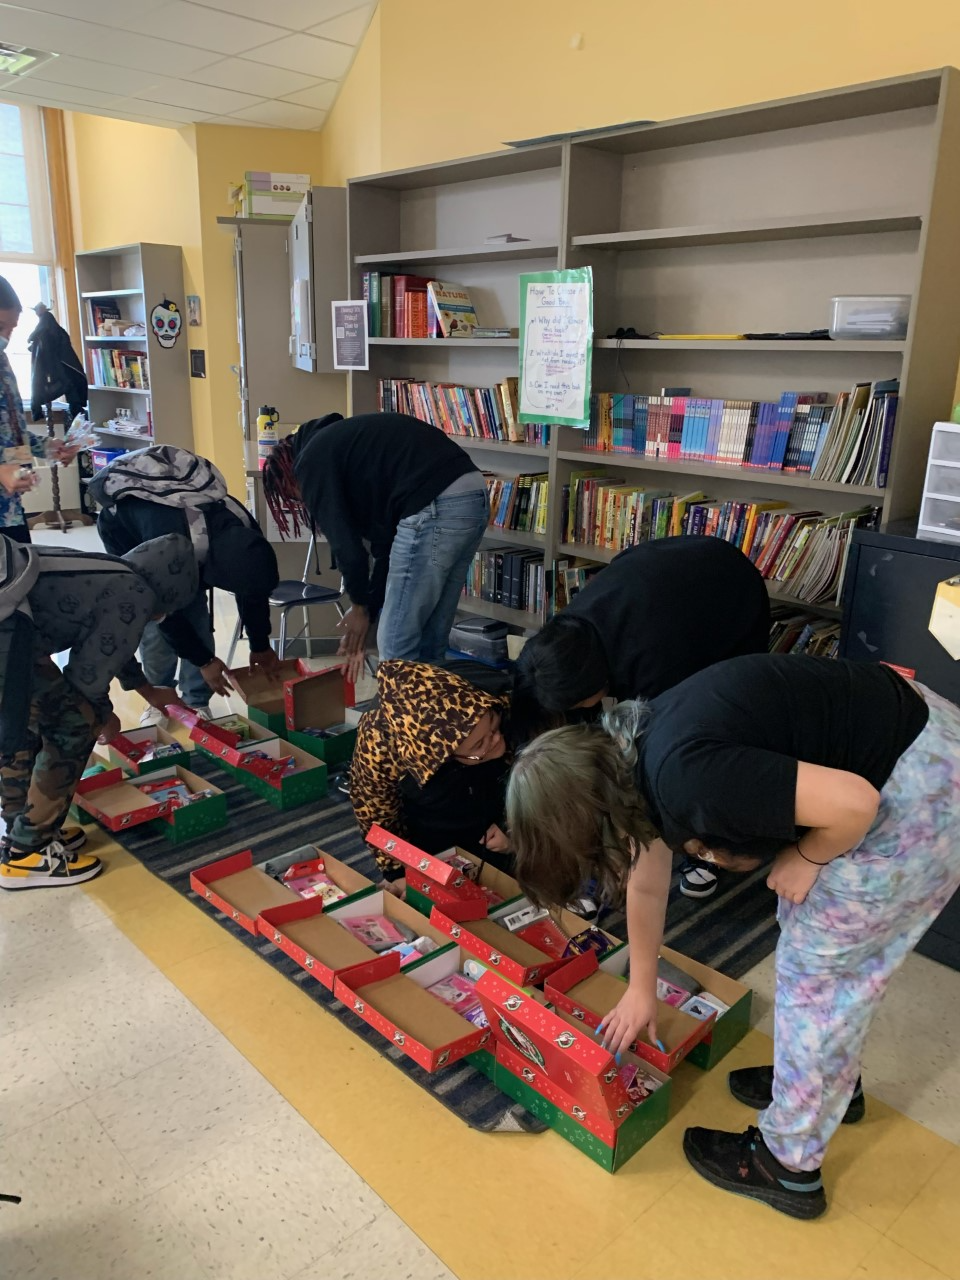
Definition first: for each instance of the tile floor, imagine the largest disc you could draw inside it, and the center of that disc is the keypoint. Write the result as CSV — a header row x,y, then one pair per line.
x,y
171,1108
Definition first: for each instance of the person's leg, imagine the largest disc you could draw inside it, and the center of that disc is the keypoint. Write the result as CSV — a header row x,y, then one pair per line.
x,y
428,567
157,656
17,532
193,688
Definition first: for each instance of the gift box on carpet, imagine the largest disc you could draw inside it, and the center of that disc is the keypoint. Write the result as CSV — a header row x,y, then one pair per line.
x,y
263,693
182,819
264,765
114,801
134,750
315,937
406,1012
559,1072
226,737
434,881
314,715
587,990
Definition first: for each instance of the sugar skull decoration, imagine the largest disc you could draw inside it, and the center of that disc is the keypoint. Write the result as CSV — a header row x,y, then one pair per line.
x,y
166,322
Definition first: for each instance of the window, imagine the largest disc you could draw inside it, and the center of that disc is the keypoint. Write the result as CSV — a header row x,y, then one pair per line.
x,y
26,234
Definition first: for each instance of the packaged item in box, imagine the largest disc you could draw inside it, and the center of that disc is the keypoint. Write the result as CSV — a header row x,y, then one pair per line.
x,y
591,939
714,1002
377,932
173,795
457,991
670,994
697,1007
476,1015
411,951
676,977
316,885
547,936
523,916
639,1084
284,765
474,969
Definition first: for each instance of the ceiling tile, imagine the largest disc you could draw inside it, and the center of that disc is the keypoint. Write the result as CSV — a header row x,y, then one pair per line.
x,y
160,111
92,75
349,28
111,13
156,122
321,96
43,93
321,58
252,77
237,124
282,115
191,24
204,98
297,15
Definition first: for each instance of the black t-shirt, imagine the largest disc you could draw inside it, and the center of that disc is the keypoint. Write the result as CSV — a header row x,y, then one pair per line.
x,y
718,757
670,607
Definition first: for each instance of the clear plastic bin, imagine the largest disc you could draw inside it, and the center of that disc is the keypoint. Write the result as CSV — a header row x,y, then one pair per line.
x,y
945,443
878,315
940,518
943,481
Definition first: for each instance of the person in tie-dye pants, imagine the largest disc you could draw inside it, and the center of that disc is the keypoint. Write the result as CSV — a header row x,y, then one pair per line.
x,y
844,774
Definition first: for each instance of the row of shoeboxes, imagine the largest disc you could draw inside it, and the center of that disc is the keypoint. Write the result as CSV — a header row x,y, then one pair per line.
x,y
150,780
454,972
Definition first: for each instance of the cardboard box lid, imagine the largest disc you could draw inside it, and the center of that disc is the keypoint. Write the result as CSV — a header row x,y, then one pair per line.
x,y
413,1010
265,692
570,1058
315,700
436,868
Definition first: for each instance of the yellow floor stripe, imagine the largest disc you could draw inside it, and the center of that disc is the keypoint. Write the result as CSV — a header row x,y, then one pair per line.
x,y
521,1207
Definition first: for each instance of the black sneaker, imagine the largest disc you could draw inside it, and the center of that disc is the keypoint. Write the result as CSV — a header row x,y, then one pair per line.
x,y
753,1086
743,1164
697,880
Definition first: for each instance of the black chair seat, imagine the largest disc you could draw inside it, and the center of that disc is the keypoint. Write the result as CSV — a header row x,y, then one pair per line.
x,y
290,592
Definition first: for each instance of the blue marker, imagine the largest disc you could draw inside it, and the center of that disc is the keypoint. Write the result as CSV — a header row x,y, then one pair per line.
x,y
660,1045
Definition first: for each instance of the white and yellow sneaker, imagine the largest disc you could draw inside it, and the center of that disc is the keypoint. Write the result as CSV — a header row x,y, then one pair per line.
x,y
46,868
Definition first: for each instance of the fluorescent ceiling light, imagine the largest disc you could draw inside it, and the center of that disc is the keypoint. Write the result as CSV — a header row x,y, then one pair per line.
x,y
17,60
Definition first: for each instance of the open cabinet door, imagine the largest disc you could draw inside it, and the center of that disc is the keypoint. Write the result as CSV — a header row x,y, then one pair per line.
x,y
303,343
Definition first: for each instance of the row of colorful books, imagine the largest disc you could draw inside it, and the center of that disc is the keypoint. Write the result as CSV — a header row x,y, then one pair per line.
x,y
793,631
111,367
409,306
848,442
508,576
477,413
518,502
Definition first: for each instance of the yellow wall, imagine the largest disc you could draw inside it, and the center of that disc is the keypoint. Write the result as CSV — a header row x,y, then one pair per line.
x,y
351,139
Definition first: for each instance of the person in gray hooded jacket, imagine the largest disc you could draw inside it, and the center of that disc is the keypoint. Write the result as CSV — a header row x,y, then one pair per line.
x,y
95,606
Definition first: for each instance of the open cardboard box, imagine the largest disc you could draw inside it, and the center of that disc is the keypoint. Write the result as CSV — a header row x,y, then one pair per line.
x,y
433,882
190,821
263,693
309,859
317,700
516,958
223,737
546,1061
400,1007
313,936
587,991
730,1028
283,790
127,750
240,890
114,801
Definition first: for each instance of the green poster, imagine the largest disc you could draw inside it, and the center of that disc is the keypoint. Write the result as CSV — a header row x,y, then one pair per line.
x,y
556,346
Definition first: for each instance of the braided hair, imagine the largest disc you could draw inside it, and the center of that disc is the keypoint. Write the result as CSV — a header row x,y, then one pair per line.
x,y
282,492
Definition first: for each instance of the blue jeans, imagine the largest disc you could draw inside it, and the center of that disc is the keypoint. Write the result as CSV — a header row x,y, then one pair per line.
x,y
429,559
159,659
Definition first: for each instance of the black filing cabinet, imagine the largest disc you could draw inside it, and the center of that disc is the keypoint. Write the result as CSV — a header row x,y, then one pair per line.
x,y
890,587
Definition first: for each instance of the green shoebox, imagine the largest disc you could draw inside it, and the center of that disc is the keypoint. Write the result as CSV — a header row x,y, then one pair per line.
x,y
315,701
730,1028
190,821
263,694
283,791
126,749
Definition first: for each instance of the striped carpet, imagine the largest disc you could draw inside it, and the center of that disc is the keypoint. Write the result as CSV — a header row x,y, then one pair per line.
x,y
730,931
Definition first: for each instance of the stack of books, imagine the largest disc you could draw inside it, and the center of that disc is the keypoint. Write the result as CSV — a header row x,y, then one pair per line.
x,y
518,502
846,443
507,576
408,306
792,631
477,413
112,367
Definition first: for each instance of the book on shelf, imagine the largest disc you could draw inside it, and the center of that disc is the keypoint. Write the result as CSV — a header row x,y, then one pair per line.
x,y
453,308
848,442
400,305
104,317
113,367
480,413
518,503
569,577
507,576
793,631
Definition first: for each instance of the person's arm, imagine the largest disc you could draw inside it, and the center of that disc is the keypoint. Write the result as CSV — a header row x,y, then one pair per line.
x,y
647,891
375,775
255,615
338,526
838,808
109,647
378,578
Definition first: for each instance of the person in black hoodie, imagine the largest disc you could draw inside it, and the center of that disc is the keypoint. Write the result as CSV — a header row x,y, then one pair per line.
x,y
392,487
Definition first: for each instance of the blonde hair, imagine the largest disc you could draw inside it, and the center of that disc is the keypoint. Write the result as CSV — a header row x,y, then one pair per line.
x,y
574,810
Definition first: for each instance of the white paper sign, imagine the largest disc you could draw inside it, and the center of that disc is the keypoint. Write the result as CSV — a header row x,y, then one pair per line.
x,y
556,346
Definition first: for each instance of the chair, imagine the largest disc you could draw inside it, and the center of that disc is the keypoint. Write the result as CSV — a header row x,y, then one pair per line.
x,y
291,593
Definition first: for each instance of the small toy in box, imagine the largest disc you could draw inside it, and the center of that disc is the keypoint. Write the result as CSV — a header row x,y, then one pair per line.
x,y
190,807
144,750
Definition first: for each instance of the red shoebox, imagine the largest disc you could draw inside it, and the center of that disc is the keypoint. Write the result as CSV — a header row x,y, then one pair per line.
x,y
114,801
313,937
225,743
516,957
457,895
240,890
588,991
399,1007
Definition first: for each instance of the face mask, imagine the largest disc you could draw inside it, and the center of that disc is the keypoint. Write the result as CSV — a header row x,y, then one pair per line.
x,y
4,342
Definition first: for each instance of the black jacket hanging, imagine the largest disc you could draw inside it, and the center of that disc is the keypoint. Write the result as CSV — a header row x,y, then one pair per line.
x,y
56,369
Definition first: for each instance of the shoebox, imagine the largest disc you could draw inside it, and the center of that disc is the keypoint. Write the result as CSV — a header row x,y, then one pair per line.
x,y
240,890
731,1025
587,989
273,780
402,1008
134,750
181,820
264,694
316,939
95,765
114,801
525,960
314,705
433,881
555,1068
225,737
308,861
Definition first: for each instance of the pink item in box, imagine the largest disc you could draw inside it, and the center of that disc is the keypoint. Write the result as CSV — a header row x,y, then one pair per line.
x,y
457,991
376,932
317,885
670,994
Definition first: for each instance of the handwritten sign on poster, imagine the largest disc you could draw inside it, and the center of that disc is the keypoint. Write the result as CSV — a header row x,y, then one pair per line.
x,y
556,346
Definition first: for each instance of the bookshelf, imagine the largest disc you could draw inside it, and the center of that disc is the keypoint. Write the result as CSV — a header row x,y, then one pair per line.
x,y
747,220
133,279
